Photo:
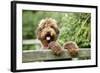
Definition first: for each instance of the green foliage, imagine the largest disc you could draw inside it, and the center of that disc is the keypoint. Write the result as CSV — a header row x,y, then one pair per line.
x,y
74,26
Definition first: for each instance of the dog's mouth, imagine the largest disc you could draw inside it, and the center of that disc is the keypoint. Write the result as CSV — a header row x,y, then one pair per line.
x,y
49,38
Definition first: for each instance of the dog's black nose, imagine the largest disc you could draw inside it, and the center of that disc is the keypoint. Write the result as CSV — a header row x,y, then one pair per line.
x,y
48,32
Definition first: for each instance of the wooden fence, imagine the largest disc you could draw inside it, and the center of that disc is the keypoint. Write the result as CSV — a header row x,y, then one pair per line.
x,y
47,55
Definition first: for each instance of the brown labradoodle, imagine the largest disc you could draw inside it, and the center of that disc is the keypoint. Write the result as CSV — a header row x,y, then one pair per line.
x,y
47,33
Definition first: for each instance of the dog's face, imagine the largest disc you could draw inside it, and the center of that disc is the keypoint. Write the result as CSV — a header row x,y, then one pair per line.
x,y
47,31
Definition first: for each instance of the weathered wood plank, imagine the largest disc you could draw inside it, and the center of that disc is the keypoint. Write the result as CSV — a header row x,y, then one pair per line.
x,y
43,55
27,42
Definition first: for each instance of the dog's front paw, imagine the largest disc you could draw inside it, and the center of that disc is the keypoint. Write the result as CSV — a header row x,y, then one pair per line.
x,y
73,52
72,48
56,48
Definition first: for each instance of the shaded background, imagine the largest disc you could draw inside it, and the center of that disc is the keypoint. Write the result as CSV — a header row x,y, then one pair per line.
x,y
73,27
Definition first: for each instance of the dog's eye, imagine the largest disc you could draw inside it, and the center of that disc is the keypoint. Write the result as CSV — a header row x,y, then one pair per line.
x,y
52,27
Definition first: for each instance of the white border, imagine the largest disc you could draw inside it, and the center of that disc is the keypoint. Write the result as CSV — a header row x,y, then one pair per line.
x,y
37,65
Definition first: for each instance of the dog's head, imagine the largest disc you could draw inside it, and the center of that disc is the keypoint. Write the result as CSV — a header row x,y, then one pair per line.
x,y
47,30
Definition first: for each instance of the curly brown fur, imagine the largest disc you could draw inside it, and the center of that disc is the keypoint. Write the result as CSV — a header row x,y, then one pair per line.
x,y
47,31
55,47
72,48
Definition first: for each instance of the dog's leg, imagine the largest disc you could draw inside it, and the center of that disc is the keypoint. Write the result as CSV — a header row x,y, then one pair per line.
x,y
56,48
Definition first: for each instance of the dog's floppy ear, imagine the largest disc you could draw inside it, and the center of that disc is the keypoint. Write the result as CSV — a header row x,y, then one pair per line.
x,y
57,31
55,26
40,26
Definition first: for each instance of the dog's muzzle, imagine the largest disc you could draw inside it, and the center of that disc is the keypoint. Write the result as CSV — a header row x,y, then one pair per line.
x,y
48,37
